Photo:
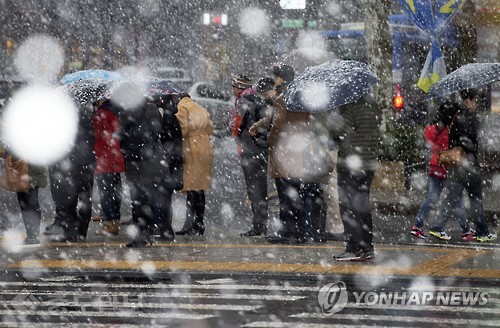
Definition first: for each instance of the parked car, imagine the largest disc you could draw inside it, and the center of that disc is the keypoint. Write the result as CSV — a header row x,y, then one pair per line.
x,y
217,101
177,75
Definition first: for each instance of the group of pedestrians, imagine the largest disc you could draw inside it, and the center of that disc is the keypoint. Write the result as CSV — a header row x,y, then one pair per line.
x,y
301,157
455,125
322,165
161,145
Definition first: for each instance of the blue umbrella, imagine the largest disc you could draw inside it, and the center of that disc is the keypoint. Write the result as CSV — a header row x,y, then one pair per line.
x,y
91,74
469,76
329,85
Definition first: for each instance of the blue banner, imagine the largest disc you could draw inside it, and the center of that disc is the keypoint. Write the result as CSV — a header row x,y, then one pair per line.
x,y
431,17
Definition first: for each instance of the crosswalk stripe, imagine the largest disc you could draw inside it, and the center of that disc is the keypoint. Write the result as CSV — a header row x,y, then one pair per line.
x,y
396,318
271,324
160,286
181,316
157,295
135,305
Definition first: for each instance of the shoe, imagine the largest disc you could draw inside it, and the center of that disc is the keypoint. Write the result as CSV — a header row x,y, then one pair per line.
x,y
166,236
349,256
53,229
196,229
253,233
368,254
439,235
31,241
138,243
109,228
97,218
469,235
488,237
418,232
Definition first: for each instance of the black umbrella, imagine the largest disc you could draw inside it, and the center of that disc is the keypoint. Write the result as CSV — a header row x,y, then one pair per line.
x,y
329,85
469,76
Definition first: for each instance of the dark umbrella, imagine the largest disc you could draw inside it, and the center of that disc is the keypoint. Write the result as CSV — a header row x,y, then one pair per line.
x,y
329,85
161,87
469,76
87,91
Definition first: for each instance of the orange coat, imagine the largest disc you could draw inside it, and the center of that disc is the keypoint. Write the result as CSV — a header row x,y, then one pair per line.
x,y
197,128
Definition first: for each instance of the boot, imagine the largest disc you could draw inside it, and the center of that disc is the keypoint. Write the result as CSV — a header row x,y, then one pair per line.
x,y
109,228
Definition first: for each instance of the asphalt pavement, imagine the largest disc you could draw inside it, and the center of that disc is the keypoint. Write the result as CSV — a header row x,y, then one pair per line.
x,y
401,262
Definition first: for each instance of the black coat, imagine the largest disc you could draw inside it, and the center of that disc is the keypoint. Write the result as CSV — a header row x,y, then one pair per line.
x,y
464,133
140,132
171,139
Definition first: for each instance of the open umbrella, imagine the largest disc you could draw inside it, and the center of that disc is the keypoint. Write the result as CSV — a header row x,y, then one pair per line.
x,y
91,74
469,76
161,87
303,58
87,91
329,85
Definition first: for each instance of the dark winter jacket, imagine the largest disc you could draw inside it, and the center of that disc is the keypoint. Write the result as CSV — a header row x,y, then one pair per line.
x,y
82,152
251,108
171,139
464,133
355,128
140,142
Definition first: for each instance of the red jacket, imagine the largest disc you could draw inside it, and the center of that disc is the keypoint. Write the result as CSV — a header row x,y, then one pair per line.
x,y
438,140
108,154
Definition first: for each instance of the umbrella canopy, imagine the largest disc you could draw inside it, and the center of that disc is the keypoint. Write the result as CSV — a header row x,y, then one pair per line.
x,y
161,87
87,91
469,76
91,74
329,85
302,58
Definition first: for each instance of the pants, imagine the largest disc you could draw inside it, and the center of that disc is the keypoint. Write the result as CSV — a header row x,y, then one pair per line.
x,y
30,211
460,178
435,188
331,195
255,172
300,205
314,210
110,194
195,209
71,188
163,210
355,207
142,195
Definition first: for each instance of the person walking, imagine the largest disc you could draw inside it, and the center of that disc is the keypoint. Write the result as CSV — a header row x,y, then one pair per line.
x,y
250,108
436,136
355,127
109,165
197,128
463,133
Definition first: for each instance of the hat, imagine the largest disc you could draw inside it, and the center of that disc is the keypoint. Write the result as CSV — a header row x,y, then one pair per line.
x,y
241,81
284,71
264,84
